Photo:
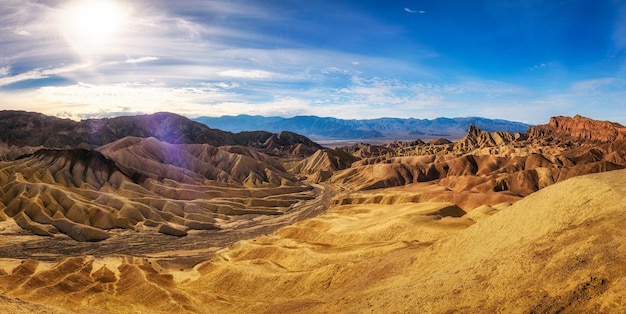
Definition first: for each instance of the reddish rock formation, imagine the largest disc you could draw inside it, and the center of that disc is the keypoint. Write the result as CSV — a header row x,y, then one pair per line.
x,y
579,127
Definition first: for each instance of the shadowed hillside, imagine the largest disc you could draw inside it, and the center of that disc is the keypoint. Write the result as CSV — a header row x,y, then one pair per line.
x,y
20,129
142,184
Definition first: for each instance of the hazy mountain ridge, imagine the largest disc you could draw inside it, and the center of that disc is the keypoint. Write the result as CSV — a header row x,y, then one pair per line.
x,y
333,128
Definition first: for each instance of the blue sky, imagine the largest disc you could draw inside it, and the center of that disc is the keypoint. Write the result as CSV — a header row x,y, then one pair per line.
x,y
521,60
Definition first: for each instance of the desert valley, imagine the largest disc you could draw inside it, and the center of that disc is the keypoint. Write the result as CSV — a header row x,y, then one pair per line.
x,y
320,156
161,214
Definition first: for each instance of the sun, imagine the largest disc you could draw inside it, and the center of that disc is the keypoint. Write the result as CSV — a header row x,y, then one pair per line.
x,y
91,26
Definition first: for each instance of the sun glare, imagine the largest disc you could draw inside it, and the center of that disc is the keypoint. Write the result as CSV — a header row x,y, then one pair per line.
x,y
91,26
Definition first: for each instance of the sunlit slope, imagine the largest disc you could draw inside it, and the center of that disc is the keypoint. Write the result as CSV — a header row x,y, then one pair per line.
x,y
560,249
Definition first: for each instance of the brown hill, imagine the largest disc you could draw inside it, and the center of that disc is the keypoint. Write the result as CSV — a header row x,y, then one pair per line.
x,y
283,144
20,129
195,163
321,165
142,184
366,150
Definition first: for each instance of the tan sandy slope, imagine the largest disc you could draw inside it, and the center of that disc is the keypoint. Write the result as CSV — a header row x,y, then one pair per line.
x,y
560,249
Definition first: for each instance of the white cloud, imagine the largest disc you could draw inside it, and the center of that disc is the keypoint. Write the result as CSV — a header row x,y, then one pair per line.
x,y
216,86
363,98
85,99
40,74
599,85
489,88
22,32
409,10
141,59
541,66
248,74
5,71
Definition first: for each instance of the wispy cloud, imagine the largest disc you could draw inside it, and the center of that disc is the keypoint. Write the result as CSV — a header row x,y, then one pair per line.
x,y
5,71
40,74
248,74
600,86
541,66
601,98
22,32
141,59
87,98
619,31
414,11
487,88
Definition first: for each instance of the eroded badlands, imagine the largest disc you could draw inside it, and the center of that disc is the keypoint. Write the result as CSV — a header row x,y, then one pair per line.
x,y
494,222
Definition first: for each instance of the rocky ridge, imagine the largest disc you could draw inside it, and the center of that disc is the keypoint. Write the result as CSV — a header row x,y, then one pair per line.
x,y
29,131
580,128
492,162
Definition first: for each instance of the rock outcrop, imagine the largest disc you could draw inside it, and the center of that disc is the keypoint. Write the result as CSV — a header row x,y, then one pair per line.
x,y
477,138
579,128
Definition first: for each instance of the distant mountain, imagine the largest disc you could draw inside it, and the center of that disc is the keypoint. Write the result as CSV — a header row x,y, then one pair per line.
x,y
30,129
321,128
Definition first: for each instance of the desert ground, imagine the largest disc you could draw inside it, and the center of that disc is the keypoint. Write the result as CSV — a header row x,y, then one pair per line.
x,y
118,219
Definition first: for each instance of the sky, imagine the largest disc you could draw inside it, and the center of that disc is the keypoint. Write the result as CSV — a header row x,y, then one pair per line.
x,y
524,60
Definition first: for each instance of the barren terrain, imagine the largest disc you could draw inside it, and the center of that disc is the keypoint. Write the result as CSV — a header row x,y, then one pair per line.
x,y
494,222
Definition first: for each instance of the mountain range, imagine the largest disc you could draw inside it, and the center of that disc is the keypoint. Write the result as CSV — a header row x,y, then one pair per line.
x,y
325,128
25,132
